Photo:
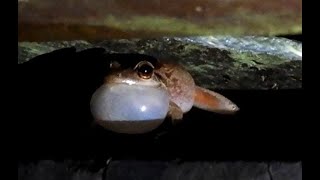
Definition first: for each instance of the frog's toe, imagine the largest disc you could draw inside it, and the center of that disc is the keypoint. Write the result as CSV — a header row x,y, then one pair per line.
x,y
175,113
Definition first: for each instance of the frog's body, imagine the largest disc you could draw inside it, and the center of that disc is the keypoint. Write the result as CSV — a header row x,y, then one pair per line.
x,y
185,93
180,85
175,92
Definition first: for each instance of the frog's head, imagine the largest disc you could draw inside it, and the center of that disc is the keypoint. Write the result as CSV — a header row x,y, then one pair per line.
x,y
137,73
132,98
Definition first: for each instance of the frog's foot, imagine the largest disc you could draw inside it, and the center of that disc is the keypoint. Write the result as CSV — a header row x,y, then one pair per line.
x,y
214,102
175,113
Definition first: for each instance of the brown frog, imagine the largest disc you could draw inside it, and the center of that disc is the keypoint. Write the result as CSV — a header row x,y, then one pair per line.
x,y
139,93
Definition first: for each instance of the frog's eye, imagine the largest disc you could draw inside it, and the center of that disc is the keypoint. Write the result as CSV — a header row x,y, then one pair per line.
x,y
144,69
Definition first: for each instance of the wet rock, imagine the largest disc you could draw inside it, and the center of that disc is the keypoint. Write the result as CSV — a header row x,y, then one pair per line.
x,y
215,62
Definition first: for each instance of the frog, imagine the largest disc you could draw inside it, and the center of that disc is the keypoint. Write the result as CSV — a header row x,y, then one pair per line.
x,y
140,91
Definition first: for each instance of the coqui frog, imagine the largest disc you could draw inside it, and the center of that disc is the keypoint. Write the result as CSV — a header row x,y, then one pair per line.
x,y
140,92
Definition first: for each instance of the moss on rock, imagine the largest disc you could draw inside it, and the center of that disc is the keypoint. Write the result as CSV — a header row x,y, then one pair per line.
x,y
211,67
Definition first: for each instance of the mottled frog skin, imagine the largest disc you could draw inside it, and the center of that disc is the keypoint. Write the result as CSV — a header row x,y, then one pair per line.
x,y
150,90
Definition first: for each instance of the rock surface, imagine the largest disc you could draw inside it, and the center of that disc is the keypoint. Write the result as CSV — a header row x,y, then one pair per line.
x,y
161,170
214,62
48,20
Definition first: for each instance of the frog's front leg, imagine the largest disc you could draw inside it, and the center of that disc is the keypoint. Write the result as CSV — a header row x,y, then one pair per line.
x,y
175,113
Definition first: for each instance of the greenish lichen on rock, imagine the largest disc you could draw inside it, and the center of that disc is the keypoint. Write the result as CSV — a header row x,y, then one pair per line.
x,y
213,67
28,50
261,61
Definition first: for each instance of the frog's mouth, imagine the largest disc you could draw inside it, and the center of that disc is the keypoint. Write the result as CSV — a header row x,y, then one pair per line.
x,y
118,79
138,83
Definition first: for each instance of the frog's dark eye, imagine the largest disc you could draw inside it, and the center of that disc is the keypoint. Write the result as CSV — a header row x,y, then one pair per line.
x,y
145,69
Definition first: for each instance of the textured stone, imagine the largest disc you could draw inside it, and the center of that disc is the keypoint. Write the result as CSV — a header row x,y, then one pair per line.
x,y
49,20
282,170
161,170
214,62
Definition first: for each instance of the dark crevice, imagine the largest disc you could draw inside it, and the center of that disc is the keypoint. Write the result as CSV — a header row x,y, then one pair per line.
x,y
295,37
